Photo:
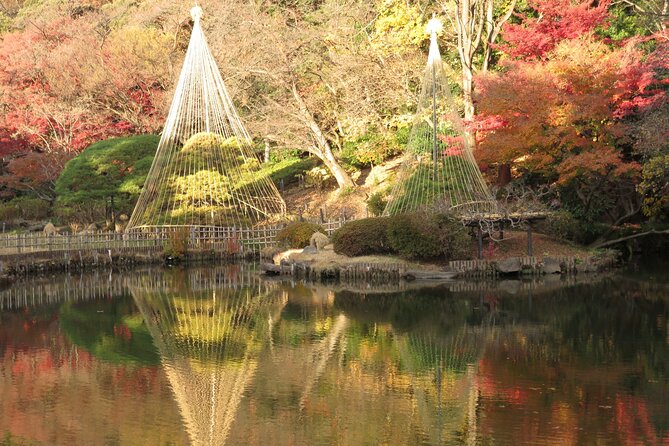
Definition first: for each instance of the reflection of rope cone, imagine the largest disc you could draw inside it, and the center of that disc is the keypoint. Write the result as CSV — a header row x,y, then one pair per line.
x,y
443,368
321,356
209,341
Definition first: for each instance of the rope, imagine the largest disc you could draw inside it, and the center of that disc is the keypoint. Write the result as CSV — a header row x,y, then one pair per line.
x,y
439,171
205,172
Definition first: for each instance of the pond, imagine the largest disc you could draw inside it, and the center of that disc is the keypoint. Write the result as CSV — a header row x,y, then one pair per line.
x,y
219,356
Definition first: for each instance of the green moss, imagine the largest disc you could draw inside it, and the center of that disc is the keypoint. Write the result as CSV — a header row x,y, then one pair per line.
x,y
115,167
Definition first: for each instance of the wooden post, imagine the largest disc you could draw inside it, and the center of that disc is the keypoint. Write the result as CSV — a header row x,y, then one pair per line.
x,y
479,236
529,240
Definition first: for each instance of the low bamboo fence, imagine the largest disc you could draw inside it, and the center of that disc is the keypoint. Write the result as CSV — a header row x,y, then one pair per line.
x,y
234,241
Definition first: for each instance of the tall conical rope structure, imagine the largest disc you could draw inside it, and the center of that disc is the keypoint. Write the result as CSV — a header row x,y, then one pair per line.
x,y
439,172
205,172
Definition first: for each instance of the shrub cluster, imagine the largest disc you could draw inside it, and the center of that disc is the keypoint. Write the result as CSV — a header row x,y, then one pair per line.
x,y
32,208
297,234
374,147
26,208
8,212
377,203
564,225
114,167
362,237
411,236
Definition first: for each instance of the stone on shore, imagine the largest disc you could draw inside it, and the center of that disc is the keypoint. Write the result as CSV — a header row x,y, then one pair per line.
x,y
319,240
509,266
551,266
50,229
310,250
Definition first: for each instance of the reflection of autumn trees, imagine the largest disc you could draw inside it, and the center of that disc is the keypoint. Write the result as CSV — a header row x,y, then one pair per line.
x,y
52,392
581,360
374,383
261,364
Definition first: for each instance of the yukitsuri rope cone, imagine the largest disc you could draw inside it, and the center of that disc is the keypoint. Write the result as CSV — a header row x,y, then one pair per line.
x,y
209,330
439,173
205,173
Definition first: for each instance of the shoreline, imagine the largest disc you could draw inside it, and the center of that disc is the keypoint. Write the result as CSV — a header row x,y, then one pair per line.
x,y
310,265
325,265
27,265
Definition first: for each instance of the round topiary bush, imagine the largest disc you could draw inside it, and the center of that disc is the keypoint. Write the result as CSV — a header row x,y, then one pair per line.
x,y
455,240
297,234
414,236
411,236
362,237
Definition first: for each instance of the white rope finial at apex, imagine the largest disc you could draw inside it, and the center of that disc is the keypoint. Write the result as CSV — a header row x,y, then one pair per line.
x,y
196,12
434,26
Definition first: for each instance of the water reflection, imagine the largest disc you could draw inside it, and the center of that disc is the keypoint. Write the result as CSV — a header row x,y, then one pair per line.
x,y
217,356
70,372
210,327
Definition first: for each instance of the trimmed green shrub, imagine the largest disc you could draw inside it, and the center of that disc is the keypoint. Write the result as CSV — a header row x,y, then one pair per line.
x,y
115,167
31,208
8,212
297,234
456,242
362,237
377,203
410,236
414,236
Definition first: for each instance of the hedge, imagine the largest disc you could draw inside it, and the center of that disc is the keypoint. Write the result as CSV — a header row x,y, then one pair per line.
x,y
362,237
297,234
410,236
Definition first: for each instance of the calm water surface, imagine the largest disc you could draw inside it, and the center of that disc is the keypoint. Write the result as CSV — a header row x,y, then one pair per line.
x,y
216,356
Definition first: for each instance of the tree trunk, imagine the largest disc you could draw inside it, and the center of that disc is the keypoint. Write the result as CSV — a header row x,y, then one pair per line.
x,y
504,174
267,150
474,20
321,148
343,178
629,237
467,91
468,100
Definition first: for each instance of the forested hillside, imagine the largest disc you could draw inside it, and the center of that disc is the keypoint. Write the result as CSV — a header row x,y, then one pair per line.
x,y
565,97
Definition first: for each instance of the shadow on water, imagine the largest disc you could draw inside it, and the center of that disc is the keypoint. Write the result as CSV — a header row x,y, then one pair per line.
x,y
553,360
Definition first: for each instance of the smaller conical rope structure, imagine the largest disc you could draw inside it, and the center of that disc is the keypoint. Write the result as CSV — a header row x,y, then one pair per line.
x,y
205,172
439,172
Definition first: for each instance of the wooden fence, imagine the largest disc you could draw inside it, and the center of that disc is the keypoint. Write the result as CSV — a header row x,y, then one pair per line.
x,y
239,241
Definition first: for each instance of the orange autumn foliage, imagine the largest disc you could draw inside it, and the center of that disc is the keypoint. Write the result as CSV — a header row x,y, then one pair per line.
x,y
558,116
